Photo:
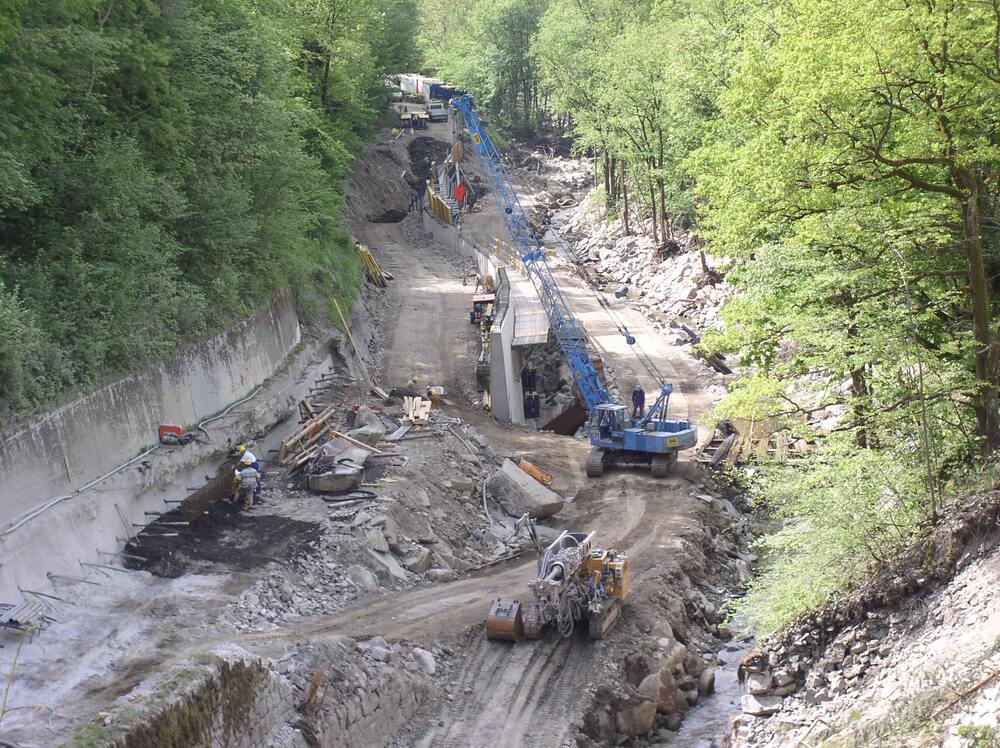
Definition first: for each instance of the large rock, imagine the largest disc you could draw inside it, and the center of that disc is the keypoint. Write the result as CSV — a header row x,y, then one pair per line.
x,y
758,683
371,433
425,660
760,706
706,682
388,565
362,578
412,524
375,540
418,560
337,479
659,687
518,493
637,720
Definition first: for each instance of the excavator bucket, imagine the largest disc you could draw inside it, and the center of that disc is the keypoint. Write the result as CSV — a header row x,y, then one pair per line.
x,y
505,623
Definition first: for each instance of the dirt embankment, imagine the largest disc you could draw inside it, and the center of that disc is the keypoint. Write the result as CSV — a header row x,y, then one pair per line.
x,y
910,657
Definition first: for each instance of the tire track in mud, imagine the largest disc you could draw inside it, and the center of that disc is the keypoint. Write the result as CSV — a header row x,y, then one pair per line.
x,y
519,694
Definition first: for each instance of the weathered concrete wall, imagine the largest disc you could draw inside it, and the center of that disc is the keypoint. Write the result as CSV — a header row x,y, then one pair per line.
x,y
53,455
506,394
60,451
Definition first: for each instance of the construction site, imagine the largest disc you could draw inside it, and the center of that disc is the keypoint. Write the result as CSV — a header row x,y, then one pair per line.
x,y
441,552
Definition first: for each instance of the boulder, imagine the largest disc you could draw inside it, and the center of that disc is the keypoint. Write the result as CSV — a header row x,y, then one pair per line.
x,y
659,687
760,706
337,479
637,720
371,434
425,660
418,561
388,565
375,540
365,416
362,578
758,683
706,682
412,525
518,493
440,575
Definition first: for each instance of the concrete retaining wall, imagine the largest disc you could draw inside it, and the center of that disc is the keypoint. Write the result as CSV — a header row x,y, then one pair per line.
x,y
64,449
53,455
507,396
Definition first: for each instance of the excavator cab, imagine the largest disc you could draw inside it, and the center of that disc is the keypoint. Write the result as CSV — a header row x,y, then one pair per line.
x,y
607,425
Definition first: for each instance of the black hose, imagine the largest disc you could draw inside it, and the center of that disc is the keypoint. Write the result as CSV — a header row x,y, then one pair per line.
x,y
348,496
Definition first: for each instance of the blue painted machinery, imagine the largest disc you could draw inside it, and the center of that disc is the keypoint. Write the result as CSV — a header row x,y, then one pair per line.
x,y
652,438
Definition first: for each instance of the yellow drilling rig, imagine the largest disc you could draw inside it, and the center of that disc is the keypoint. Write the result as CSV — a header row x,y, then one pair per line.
x,y
576,582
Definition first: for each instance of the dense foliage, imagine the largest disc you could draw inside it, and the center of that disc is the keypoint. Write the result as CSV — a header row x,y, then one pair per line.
x,y
165,166
845,155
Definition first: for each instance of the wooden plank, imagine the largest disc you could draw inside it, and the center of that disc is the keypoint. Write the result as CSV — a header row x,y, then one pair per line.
x,y
347,328
356,443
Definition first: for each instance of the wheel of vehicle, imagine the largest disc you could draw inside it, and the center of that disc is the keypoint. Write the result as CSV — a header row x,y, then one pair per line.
x,y
595,463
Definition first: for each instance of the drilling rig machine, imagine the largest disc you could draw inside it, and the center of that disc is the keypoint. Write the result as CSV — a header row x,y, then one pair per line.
x,y
576,581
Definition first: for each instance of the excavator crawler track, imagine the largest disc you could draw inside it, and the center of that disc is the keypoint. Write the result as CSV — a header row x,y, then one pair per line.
x,y
595,463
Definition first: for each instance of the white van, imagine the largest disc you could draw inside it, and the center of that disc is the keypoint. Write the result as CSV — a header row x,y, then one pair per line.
x,y
437,111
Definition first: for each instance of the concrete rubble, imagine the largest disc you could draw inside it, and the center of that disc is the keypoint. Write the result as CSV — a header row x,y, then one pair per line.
x,y
518,493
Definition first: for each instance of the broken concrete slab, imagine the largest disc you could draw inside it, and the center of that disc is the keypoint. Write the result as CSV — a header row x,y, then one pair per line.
x,y
518,493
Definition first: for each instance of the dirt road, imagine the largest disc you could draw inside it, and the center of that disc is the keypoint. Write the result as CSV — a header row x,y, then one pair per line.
x,y
529,694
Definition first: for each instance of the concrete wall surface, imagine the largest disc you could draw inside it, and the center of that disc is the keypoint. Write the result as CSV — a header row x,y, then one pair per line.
x,y
57,452
506,394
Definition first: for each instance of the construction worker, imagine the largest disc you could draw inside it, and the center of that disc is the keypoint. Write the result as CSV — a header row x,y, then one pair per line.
x,y
638,401
248,481
242,452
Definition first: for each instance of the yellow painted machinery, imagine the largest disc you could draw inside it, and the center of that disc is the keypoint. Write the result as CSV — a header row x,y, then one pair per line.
x,y
575,582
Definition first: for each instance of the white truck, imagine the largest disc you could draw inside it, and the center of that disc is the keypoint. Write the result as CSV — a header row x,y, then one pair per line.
x,y
437,111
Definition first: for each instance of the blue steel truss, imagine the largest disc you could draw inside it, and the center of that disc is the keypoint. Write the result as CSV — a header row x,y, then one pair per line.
x,y
568,331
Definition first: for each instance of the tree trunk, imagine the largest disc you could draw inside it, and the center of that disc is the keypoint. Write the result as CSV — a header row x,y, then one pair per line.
x,y
326,81
607,181
659,182
652,207
987,418
628,231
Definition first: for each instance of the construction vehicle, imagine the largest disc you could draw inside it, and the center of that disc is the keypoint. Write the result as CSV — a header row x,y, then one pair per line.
x,y
576,582
652,439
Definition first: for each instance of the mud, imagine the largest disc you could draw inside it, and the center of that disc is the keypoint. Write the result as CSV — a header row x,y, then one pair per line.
x,y
219,535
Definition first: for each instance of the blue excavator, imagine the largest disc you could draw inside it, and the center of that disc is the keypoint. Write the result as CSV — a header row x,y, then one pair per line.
x,y
652,439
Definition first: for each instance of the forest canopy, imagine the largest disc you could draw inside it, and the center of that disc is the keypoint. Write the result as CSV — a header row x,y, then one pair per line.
x,y
165,165
843,155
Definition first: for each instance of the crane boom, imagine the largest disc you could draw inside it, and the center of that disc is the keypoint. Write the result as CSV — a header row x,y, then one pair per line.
x,y
568,331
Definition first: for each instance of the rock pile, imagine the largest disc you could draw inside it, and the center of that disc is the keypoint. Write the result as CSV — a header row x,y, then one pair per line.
x,y
668,657
426,522
671,284
917,633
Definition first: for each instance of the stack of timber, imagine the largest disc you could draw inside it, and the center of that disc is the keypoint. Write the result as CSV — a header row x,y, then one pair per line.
x,y
416,411
373,270
297,449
